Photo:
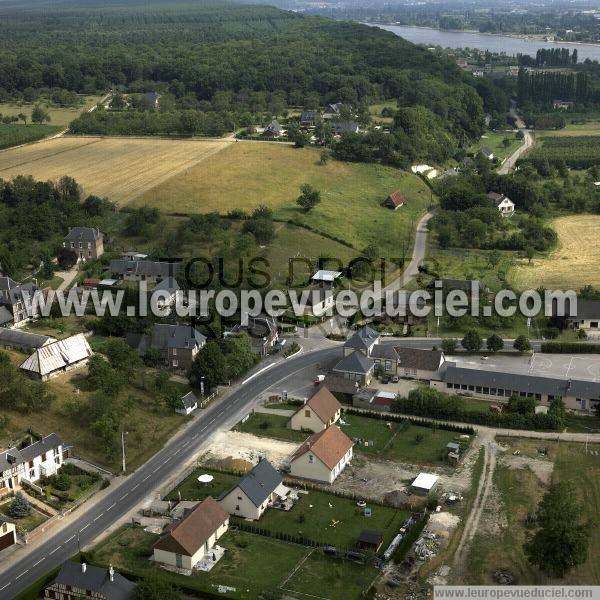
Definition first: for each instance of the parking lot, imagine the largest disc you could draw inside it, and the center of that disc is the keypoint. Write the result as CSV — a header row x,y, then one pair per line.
x,y
561,366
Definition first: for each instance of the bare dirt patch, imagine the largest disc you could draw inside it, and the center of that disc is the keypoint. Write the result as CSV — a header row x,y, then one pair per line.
x,y
238,446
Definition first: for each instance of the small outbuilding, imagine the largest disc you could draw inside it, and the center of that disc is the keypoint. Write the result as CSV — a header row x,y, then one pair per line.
x,y
189,403
370,540
8,533
424,484
395,200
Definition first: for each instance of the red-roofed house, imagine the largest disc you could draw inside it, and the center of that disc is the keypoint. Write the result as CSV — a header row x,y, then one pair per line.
x,y
395,200
319,412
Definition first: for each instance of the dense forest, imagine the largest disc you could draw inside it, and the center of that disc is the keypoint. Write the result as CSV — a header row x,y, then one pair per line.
x,y
219,65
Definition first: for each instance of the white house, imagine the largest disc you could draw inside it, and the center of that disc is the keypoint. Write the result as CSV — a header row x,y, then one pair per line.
x,y
318,301
30,463
323,456
363,339
188,404
319,412
503,203
191,539
252,495
57,357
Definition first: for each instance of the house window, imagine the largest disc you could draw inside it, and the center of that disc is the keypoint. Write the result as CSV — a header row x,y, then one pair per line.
x,y
311,459
31,473
175,363
307,413
237,508
594,324
44,457
72,245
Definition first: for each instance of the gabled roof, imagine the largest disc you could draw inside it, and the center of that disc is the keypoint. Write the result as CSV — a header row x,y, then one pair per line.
x,y
329,446
323,403
23,455
58,355
385,351
83,234
362,339
344,126
96,580
274,126
417,358
23,338
259,483
6,283
5,315
586,309
497,198
189,400
151,96
326,275
148,268
169,285
356,362
190,534
396,198
487,151
176,336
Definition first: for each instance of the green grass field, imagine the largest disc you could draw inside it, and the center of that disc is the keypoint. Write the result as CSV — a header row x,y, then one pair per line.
x,y
59,116
246,175
191,489
332,520
14,135
243,566
24,524
494,140
520,491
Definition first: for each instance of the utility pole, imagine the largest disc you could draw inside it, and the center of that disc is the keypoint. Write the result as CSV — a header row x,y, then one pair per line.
x,y
123,433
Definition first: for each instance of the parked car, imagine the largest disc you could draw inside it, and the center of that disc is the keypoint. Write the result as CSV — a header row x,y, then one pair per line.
x,y
395,379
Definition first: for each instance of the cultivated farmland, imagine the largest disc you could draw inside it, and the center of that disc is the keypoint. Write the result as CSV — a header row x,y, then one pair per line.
x,y
573,265
118,168
577,151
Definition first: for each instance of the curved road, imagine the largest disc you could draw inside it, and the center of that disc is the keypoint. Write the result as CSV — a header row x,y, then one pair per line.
x,y
510,162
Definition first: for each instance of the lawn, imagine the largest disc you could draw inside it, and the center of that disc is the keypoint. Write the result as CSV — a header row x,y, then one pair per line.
x,y
191,489
375,112
333,520
272,175
572,265
24,524
149,424
272,426
494,140
400,442
243,566
60,116
520,492
330,578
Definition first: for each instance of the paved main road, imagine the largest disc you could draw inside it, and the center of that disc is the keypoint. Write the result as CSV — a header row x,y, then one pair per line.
x,y
157,471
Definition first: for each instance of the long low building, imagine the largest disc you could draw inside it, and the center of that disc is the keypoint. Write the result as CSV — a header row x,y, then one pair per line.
x,y
577,394
15,339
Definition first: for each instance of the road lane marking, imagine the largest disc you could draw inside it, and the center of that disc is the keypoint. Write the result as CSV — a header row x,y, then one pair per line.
x,y
40,561
84,527
112,506
21,575
4,586
53,551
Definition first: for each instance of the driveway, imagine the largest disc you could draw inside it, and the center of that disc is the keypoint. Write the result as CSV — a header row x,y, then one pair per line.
x,y
510,162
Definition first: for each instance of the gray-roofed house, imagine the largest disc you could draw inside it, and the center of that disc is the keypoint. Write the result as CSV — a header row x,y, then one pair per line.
x,y
188,404
151,271
29,461
586,317
341,127
253,493
309,118
503,203
16,302
76,581
354,371
578,395
333,111
487,152
86,242
364,339
416,363
262,331
177,344
14,339
273,129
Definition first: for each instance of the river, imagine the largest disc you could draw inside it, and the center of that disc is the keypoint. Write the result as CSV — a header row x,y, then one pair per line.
x,y
493,43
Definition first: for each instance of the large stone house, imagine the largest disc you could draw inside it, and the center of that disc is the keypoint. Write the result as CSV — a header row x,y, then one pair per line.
x,y
190,540
412,363
587,317
177,344
319,412
29,462
150,271
86,242
323,456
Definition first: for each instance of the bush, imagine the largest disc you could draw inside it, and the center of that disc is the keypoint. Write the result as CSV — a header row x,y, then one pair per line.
x,y
19,507
570,348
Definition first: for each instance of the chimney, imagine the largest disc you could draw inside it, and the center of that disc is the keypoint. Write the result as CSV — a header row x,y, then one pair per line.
x,y
111,573
83,567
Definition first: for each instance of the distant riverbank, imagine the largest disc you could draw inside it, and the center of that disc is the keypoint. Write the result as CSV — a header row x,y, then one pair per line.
x,y
510,45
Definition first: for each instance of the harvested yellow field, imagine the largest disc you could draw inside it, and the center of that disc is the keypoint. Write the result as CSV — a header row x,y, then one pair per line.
x,y
119,168
573,265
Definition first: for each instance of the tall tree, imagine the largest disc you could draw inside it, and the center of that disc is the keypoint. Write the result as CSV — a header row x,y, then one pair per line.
x,y
561,539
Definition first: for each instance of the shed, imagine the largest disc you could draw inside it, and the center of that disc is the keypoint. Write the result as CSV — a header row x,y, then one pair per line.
x,y
453,447
370,539
424,484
